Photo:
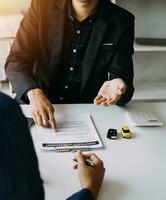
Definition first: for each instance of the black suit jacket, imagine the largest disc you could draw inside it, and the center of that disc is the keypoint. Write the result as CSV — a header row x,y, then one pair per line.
x,y
19,173
36,54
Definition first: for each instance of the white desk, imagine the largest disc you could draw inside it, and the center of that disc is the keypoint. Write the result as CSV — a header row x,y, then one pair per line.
x,y
135,169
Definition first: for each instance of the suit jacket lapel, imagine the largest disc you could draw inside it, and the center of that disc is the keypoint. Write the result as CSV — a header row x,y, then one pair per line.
x,y
58,23
92,50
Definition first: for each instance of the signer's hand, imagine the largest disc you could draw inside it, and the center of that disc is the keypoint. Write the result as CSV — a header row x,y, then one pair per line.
x,y
90,177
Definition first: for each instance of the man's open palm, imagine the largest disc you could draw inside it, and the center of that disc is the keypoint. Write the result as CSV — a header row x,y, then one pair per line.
x,y
111,92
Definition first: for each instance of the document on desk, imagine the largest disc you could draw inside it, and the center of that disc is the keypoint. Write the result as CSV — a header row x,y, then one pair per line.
x,y
73,132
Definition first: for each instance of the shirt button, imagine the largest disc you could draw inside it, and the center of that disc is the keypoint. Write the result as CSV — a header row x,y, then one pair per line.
x,y
71,69
66,87
61,98
90,21
78,31
71,18
74,50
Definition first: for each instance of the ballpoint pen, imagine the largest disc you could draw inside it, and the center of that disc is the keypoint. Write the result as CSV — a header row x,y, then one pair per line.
x,y
87,161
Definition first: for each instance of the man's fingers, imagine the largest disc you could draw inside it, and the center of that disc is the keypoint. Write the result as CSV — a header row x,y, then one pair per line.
x,y
104,103
52,120
105,94
98,97
114,100
45,119
111,102
102,100
95,159
34,117
110,92
38,118
80,157
99,102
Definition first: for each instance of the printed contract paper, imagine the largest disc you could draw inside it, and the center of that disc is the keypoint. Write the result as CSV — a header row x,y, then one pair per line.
x,y
73,132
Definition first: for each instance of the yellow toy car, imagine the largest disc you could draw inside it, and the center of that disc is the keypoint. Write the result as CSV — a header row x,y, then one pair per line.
x,y
126,132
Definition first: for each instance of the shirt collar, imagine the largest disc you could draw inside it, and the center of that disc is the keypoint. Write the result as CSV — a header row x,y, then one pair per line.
x,y
91,18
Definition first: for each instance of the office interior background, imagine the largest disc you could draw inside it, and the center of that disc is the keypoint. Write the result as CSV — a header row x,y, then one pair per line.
x,y
149,60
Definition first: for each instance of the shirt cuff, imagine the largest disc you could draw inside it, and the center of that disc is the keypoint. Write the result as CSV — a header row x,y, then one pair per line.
x,y
24,97
84,194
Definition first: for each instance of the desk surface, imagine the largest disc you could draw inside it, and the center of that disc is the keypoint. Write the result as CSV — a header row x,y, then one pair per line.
x,y
135,169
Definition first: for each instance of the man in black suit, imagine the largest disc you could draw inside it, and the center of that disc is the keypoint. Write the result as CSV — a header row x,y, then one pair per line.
x,y
72,51
19,173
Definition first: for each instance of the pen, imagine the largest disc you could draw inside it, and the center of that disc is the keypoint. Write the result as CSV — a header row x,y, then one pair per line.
x,y
87,161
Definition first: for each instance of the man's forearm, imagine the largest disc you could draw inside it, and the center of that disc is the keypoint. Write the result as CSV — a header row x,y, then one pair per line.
x,y
20,62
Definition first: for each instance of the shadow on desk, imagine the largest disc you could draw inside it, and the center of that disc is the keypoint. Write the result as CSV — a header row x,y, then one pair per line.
x,y
112,190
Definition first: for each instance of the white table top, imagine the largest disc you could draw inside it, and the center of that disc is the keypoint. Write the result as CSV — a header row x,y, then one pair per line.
x,y
135,169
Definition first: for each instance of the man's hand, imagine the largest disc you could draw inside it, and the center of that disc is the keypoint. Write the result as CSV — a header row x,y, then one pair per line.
x,y
42,109
111,92
90,177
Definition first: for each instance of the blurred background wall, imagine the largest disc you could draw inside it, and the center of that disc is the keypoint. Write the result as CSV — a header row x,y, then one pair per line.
x,y
12,6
